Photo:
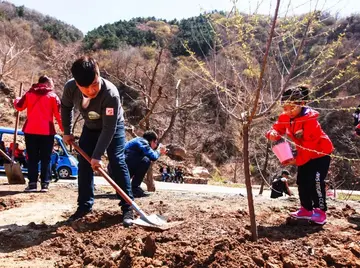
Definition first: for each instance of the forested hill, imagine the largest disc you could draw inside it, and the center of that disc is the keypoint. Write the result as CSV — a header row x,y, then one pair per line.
x,y
57,29
196,32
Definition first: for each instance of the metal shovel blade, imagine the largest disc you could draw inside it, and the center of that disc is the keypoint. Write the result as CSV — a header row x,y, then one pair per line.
x,y
152,222
14,174
155,222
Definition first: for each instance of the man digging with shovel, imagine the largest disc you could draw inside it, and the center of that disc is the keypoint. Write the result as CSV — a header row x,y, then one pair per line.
x,y
98,101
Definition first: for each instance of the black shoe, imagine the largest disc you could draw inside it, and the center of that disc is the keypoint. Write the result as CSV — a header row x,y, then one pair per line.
x,y
138,192
32,187
78,214
44,187
128,217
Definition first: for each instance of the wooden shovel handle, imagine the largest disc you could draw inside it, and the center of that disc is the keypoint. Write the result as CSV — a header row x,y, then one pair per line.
x,y
6,156
16,126
105,175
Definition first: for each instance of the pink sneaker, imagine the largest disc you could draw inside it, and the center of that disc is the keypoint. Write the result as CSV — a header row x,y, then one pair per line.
x,y
319,216
302,213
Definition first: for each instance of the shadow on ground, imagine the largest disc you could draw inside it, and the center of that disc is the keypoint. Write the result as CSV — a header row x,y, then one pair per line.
x,y
288,231
7,193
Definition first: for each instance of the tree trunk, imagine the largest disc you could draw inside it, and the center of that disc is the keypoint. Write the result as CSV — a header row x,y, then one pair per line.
x,y
76,121
264,168
183,123
147,123
253,226
235,170
149,180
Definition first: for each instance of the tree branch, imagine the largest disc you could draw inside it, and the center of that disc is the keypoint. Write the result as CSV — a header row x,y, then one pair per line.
x,y
263,67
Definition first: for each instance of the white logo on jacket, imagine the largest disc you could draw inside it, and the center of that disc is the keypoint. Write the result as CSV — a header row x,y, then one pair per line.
x,y
93,115
109,111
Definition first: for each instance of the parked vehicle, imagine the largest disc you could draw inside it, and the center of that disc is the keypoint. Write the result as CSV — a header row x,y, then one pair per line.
x,y
67,165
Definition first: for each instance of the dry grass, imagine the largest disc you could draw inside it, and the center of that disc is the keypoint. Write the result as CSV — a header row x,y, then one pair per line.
x,y
345,196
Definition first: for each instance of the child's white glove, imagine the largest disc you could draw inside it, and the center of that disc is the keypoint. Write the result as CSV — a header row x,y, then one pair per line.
x,y
299,134
273,135
162,149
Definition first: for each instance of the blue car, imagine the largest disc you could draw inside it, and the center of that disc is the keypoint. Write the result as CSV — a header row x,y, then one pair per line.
x,y
67,164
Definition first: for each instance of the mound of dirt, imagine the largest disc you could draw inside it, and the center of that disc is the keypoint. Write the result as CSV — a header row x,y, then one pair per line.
x,y
176,152
215,233
7,203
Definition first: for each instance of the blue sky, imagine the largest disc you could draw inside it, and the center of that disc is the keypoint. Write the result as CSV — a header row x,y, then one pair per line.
x,y
89,14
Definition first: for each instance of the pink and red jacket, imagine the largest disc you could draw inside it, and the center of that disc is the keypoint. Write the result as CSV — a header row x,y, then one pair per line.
x,y
42,106
314,143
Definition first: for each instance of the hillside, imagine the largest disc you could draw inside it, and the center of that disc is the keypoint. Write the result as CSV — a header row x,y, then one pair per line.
x,y
178,77
32,44
56,29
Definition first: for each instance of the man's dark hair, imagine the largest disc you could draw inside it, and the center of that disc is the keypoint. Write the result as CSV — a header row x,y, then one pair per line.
x,y
296,94
84,70
150,136
285,172
44,79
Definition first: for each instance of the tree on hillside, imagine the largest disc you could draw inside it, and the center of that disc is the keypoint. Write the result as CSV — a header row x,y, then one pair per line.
x,y
197,34
248,76
16,42
149,86
58,59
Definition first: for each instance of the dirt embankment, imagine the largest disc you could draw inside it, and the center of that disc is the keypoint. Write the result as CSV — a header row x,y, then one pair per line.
x,y
215,233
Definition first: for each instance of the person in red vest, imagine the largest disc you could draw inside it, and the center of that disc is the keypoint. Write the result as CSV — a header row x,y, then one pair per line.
x,y
42,106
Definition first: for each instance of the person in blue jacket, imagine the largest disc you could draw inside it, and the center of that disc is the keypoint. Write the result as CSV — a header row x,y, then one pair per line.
x,y
139,152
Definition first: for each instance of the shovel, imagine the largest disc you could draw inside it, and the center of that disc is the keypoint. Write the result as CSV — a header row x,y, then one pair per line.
x,y
151,222
13,170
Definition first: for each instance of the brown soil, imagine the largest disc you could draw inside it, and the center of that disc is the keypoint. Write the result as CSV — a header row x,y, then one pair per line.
x,y
7,203
215,232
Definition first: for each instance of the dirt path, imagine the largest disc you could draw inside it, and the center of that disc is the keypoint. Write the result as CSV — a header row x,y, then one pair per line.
x,y
215,232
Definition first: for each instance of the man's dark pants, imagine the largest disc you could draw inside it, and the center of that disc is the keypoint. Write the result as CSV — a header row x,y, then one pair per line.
x,y
138,168
116,157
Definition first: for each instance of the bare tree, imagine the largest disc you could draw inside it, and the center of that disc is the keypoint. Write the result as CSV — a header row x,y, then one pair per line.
x,y
264,173
58,59
153,81
15,45
249,75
